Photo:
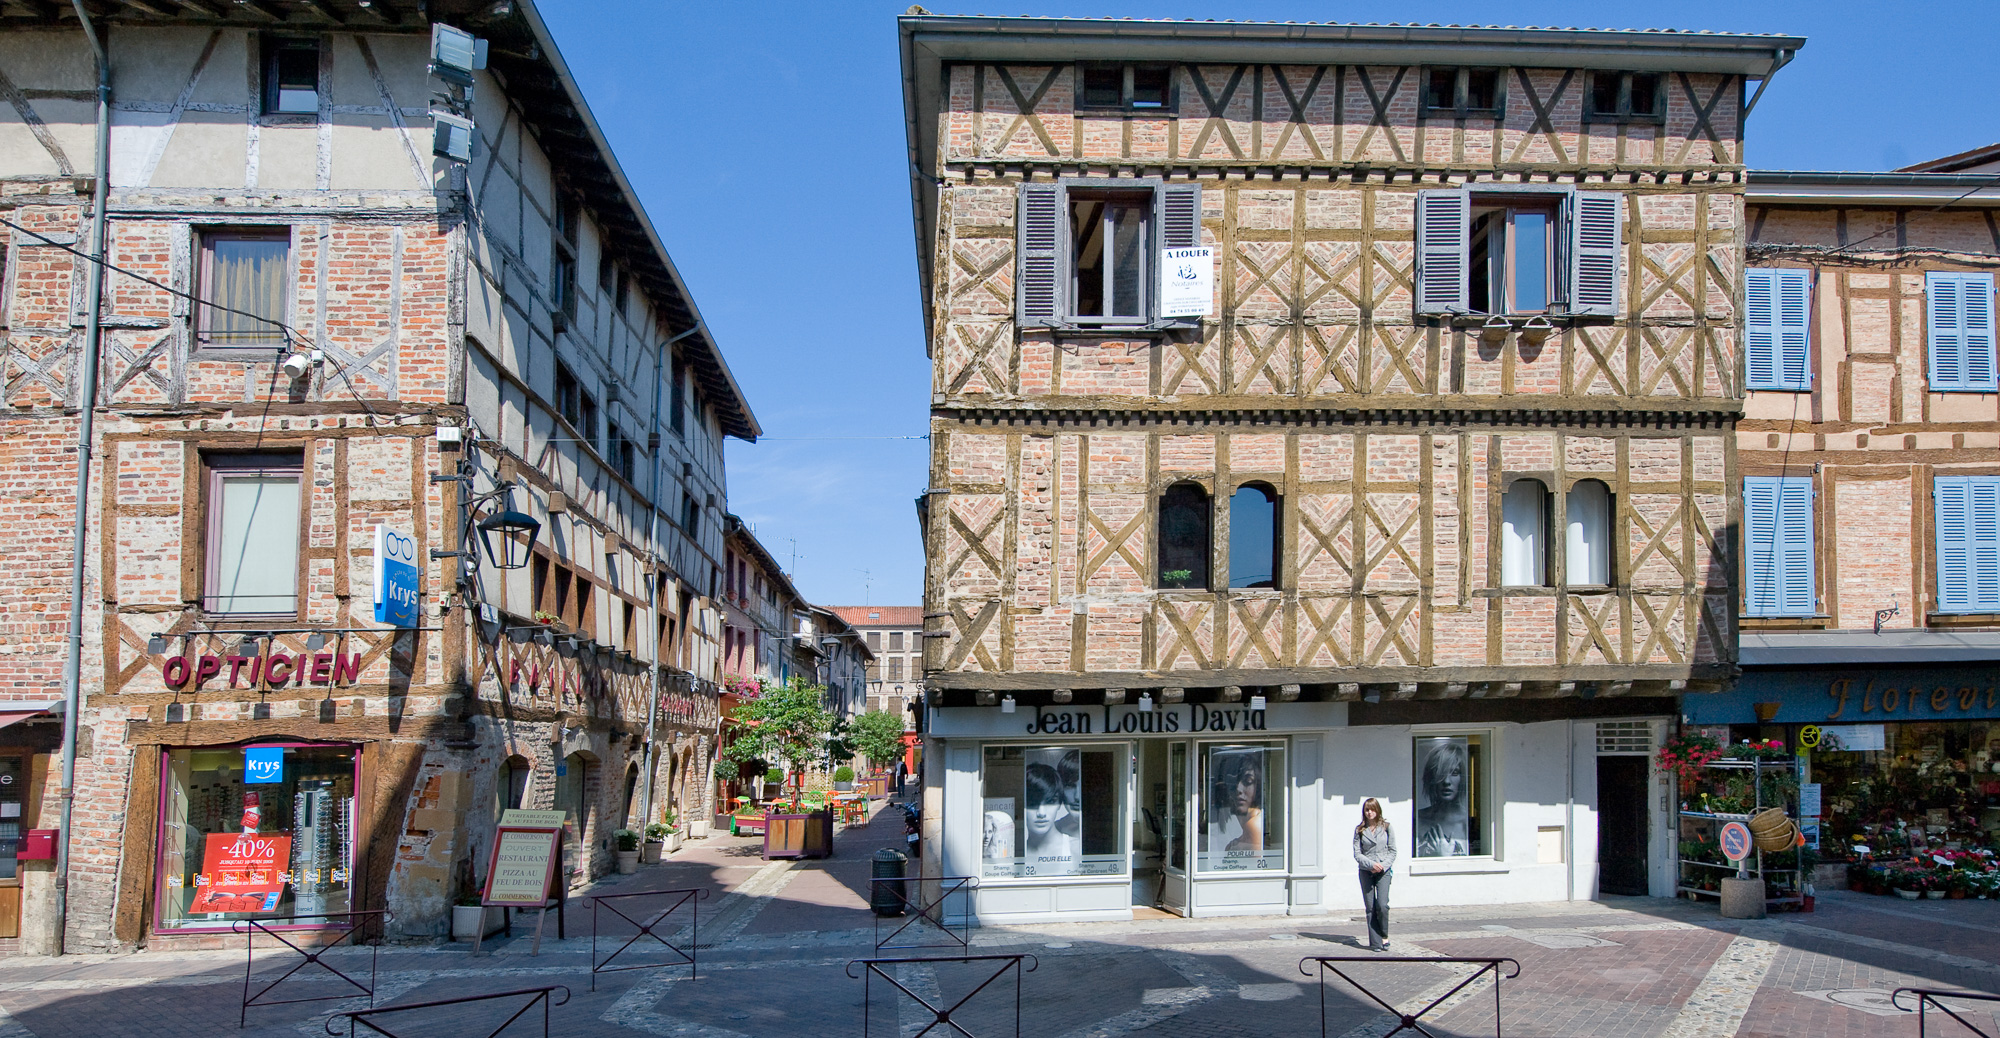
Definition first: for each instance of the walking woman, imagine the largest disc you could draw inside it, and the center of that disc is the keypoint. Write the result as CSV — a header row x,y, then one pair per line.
x,y
1375,852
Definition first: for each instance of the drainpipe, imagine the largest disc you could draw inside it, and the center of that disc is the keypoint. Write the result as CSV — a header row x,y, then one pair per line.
x,y
653,591
86,429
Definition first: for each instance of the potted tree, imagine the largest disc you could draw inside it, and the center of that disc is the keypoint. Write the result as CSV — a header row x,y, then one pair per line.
x,y
774,784
878,734
843,779
628,851
789,723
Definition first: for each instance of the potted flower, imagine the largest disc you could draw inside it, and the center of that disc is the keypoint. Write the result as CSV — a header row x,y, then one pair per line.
x,y
666,836
656,839
628,851
843,779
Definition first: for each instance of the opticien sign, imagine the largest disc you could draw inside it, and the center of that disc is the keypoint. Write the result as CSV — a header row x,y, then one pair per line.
x,y
275,670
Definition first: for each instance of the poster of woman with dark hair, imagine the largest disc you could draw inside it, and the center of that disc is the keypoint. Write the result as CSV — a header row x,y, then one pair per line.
x,y
1444,827
1235,808
1051,806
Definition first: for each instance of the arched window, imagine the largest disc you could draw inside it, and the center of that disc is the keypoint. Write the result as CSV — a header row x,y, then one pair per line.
x,y
1524,519
1253,536
1587,552
1184,536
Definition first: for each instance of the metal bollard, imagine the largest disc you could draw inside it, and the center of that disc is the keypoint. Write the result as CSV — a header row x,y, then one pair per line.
x,y
887,896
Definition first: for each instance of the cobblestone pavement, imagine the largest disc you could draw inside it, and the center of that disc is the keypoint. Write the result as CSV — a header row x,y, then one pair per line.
x,y
777,940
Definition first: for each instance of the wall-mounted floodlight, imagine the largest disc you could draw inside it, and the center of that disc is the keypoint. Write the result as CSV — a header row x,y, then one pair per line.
x,y
451,137
456,54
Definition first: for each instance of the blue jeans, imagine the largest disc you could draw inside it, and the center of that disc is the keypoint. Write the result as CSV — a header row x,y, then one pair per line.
x,y
1375,898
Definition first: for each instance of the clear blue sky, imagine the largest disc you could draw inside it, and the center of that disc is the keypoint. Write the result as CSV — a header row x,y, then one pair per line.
x,y
766,141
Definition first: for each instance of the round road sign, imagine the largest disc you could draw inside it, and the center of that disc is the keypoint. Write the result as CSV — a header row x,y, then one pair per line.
x,y
1809,736
1736,841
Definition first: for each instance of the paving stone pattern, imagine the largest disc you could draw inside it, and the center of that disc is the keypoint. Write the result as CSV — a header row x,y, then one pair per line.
x,y
778,939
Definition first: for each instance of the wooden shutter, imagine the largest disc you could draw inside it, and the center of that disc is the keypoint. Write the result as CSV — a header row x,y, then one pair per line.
x,y
1977,300
1778,561
1177,213
1595,222
1444,224
1776,308
1968,543
1945,319
1039,238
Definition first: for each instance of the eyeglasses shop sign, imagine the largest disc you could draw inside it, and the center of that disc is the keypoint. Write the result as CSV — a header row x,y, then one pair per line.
x,y
1187,282
396,578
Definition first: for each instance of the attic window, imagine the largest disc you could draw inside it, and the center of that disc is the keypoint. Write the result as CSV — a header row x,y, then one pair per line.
x,y
1626,97
291,77
1460,92
1125,87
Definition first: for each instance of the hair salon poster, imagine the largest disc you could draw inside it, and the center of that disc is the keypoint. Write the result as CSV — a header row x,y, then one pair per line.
x,y
1236,810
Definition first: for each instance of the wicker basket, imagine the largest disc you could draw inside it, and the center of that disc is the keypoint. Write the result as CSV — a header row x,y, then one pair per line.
x,y
1772,831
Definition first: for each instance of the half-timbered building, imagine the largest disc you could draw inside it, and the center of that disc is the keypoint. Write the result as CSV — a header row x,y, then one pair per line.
x,y
1870,457
1427,495
366,304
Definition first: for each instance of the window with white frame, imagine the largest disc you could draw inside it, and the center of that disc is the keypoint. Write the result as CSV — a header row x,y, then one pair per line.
x,y
1518,252
1968,543
1089,251
253,534
1524,524
1052,811
1776,316
1242,807
1959,314
244,281
1778,546
1453,796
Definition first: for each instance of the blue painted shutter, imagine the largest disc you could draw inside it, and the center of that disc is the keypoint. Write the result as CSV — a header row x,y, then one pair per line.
x,y
1778,523
1177,213
1444,226
1968,543
1596,222
1039,238
1960,312
1776,312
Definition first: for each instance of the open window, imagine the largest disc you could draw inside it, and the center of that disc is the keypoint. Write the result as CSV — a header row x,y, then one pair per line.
x,y
1518,252
1524,524
1587,550
1089,251
1185,522
1253,536
291,76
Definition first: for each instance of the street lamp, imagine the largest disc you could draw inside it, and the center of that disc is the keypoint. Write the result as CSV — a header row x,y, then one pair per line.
x,y
509,553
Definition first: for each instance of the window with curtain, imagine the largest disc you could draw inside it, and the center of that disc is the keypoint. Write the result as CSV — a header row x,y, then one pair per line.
x,y
243,281
253,534
1253,536
1778,546
1587,550
1184,537
1524,523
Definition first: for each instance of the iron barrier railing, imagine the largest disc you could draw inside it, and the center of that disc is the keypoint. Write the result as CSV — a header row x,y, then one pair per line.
x,y
536,996
941,1016
690,898
1928,997
250,928
917,910
1408,1021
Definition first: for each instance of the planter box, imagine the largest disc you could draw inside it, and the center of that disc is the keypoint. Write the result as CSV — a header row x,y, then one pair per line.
x,y
698,830
628,862
466,919
673,842
843,787
746,825
798,836
723,820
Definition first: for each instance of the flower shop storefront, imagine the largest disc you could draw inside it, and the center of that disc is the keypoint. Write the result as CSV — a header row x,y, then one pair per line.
x,y
1898,768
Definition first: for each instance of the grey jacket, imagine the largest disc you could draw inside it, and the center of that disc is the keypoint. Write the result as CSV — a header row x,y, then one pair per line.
x,y
1375,847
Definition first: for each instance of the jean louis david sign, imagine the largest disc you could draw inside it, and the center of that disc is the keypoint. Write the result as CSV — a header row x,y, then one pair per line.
x,y
1184,719
396,578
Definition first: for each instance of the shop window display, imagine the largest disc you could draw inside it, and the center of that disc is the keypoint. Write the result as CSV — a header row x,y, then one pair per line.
x,y
1243,807
1051,811
1932,786
1451,786
263,832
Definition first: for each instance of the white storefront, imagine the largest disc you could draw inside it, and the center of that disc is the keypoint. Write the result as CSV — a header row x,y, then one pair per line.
x,y
1086,812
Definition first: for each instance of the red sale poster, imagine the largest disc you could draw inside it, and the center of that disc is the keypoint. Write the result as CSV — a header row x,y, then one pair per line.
x,y
242,872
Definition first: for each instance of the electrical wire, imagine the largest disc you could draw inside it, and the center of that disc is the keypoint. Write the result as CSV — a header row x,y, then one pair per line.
x,y
1991,181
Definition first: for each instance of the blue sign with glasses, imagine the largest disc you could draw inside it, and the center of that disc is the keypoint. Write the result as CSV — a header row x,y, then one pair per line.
x,y
396,578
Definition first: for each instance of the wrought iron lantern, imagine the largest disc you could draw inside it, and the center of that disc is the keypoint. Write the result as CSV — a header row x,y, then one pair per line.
x,y
507,551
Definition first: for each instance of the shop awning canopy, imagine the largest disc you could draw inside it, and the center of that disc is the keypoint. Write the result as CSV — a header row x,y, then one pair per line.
x,y
1897,646
14,713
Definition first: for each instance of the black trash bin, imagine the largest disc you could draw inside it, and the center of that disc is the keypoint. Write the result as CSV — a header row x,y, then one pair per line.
x,y
887,895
